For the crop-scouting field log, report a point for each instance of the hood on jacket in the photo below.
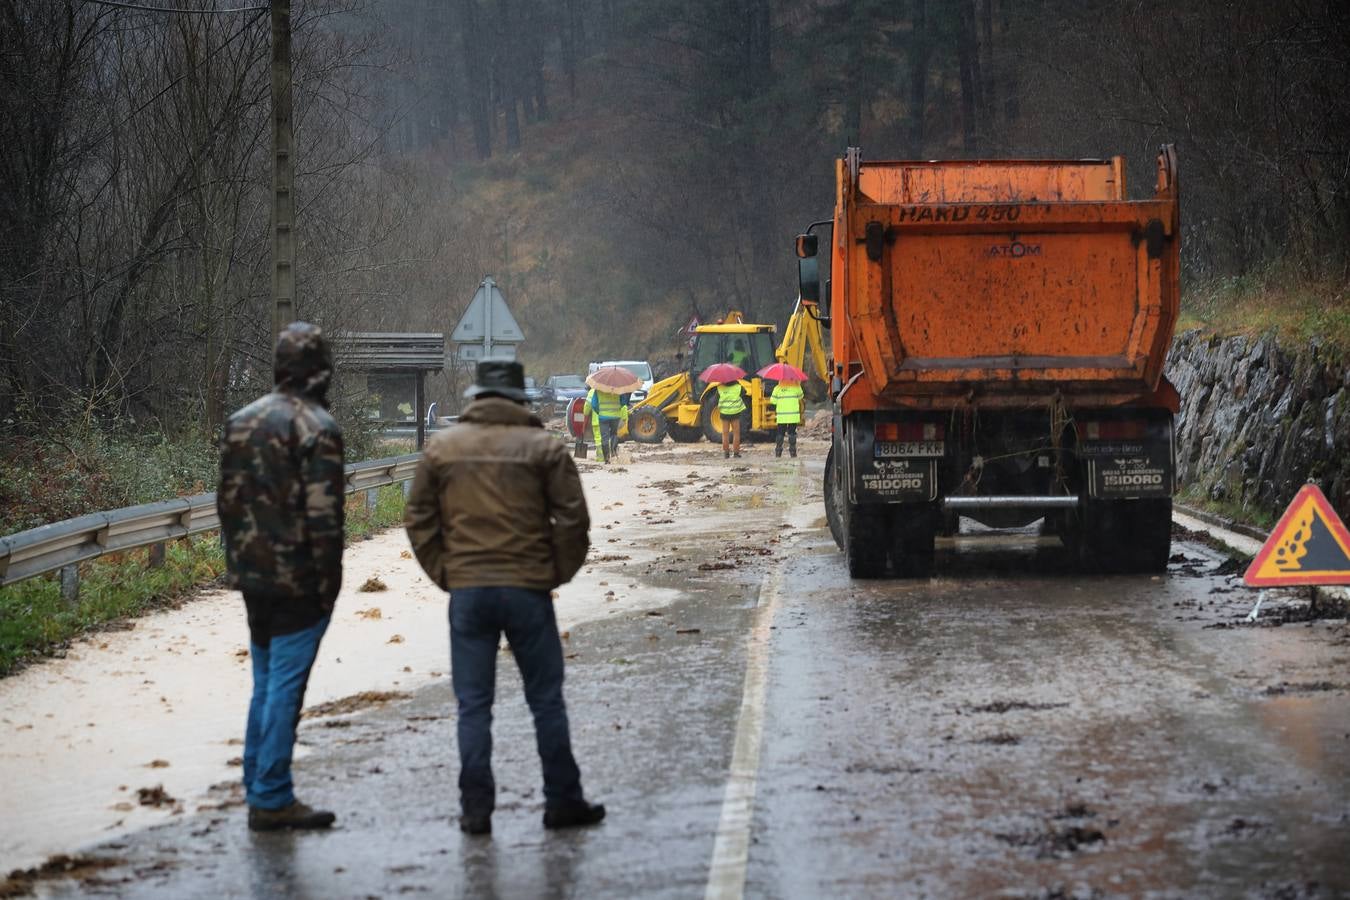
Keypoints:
(303, 363)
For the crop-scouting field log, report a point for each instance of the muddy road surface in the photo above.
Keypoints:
(759, 725)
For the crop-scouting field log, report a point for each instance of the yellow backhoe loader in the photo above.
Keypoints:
(685, 407)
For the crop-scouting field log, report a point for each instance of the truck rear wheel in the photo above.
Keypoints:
(912, 528)
(1124, 536)
(684, 434)
(834, 501)
(647, 425)
(869, 535)
(865, 540)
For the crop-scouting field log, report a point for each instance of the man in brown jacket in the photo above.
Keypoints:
(497, 517)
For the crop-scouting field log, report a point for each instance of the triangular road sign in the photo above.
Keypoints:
(1310, 545)
(487, 310)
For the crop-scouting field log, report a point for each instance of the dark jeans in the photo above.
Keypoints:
(478, 617)
(280, 675)
(607, 438)
(791, 430)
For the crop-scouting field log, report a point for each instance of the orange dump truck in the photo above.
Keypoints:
(998, 331)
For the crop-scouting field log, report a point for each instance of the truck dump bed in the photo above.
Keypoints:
(988, 281)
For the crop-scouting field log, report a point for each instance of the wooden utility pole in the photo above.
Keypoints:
(283, 172)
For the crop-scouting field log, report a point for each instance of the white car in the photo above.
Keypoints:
(639, 367)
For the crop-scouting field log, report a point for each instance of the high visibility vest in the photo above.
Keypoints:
(729, 402)
(787, 403)
(606, 405)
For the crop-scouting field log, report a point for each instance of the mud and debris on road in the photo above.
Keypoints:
(79, 868)
(351, 704)
(1008, 727)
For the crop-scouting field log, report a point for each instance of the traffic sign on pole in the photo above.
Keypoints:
(487, 327)
(1310, 545)
(688, 330)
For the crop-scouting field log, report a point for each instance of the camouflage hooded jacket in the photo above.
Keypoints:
(281, 492)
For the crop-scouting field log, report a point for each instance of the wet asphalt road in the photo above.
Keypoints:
(1008, 729)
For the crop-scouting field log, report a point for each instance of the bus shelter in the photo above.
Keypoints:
(391, 355)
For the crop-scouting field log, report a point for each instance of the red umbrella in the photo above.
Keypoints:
(781, 371)
(722, 373)
(614, 380)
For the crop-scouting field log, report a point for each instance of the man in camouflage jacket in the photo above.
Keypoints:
(280, 500)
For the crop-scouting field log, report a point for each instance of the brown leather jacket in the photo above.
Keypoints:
(497, 502)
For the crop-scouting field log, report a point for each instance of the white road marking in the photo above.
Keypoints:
(731, 850)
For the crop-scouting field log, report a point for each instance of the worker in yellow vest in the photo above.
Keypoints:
(730, 405)
(607, 412)
(787, 400)
(739, 356)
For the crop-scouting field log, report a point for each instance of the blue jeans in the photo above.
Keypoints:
(478, 617)
(280, 674)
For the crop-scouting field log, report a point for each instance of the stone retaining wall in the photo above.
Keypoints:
(1258, 420)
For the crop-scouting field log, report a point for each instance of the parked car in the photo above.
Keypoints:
(564, 388)
(639, 367)
(540, 398)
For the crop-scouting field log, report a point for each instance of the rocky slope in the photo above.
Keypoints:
(1259, 419)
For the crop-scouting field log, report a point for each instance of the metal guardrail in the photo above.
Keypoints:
(52, 547)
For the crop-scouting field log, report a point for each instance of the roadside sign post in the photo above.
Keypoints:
(1308, 546)
(487, 327)
(689, 332)
(576, 425)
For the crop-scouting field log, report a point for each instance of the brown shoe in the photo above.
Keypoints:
(297, 815)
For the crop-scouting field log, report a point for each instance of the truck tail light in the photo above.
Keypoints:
(1115, 431)
(909, 431)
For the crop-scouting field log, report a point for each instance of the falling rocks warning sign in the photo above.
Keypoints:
(1310, 545)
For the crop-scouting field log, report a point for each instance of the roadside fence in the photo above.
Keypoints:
(62, 546)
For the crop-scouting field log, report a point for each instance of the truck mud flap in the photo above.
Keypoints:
(876, 480)
(1131, 468)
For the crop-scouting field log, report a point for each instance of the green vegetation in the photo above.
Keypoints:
(1296, 309)
(385, 447)
(362, 521)
(83, 468)
(36, 622)
(1194, 495)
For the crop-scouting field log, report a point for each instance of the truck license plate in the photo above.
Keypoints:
(907, 448)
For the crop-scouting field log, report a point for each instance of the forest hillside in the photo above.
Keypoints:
(616, 165)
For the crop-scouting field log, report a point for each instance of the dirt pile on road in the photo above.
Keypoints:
(818, 427)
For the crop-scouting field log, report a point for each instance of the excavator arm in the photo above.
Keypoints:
(804, 337)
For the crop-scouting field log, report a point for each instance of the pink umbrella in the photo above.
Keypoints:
(722, 373)
(781, 371)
